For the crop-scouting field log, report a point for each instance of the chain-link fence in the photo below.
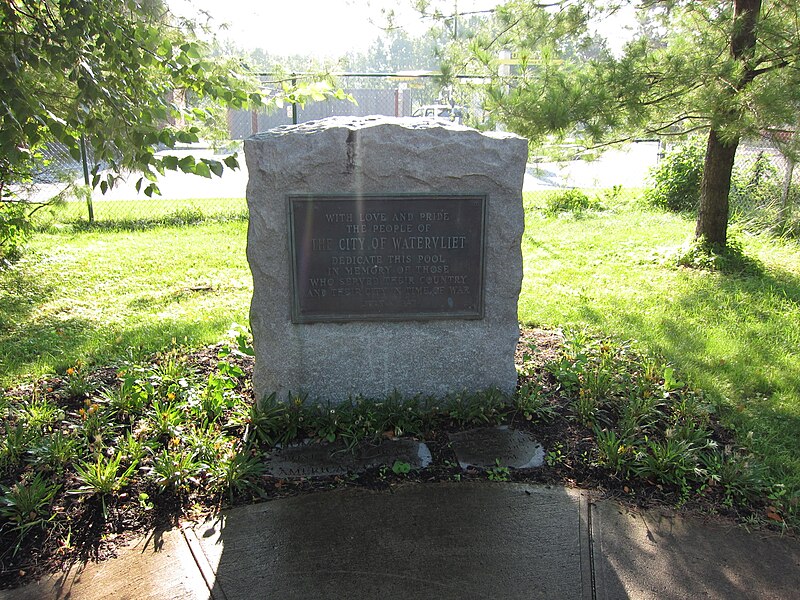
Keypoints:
(765, 190)
(766, 187)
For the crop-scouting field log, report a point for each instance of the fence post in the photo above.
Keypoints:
(85, 162)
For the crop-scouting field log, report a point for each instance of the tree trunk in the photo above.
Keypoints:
(712, 218)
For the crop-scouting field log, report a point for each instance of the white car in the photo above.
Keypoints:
(444, 112)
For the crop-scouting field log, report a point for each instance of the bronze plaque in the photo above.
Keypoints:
(358, 258)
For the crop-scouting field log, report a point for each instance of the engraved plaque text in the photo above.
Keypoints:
(387, 257)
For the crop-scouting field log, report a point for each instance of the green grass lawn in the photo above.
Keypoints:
(99, 296)
(102, 295)
(735, 336)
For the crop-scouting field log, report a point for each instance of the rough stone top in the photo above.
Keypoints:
(359, 123)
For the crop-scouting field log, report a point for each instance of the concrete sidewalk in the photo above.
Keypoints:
(467, 540)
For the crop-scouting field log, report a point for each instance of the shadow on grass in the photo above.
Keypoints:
(182, 218)
(736, 337)
(21, 293)
(53, 344)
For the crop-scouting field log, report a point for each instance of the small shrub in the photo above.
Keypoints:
(574, 201)
(676, 179)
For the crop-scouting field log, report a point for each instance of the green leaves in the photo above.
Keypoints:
(119, 76)
(202, 169)
(214, 166)
(129, 79)
(187, 164)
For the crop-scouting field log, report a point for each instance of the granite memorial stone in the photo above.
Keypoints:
(386, 257)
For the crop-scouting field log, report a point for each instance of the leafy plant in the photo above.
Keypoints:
(102, 476)
(132, 448)
(325, 422)
(95, 421)
(130, 398)
(732, 259)
(15, 226)
(207, 443)
(15, 443)
(486, 408)
(670, 461)
(215, 398)
(401, 416)
(498, 472)
(171, 369)
(401, 468)
(275, 422)
(676, 179)
(555, 456)
(741, 476)
(174, 469)
(38, 413)
(78, 383)
(671, 382)
(238, 471)
(55, 451)
(574, 201)
(166, 418)
(615, 453)
(640, 415)
(586, 408)
(532, 404)
(144, 501)
(26, 504)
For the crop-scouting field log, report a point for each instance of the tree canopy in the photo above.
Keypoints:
(730, 68)
(125, 75)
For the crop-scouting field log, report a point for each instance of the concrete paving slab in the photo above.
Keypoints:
(468, 540)
(656, 555)
(157, 567)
